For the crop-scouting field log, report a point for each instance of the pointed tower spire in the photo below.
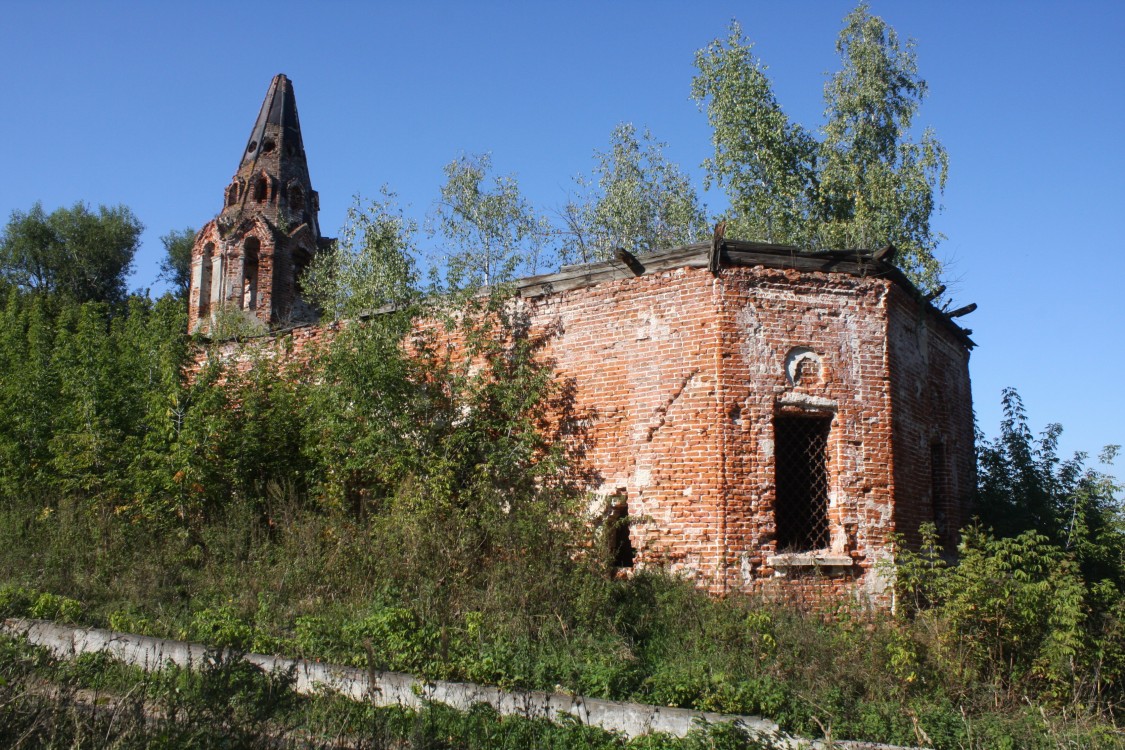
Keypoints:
(273, 176)
(251, 256)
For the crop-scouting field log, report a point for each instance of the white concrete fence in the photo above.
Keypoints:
(398, 689)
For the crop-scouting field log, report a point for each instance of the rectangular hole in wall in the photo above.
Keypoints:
(801, 466)
(621, 550)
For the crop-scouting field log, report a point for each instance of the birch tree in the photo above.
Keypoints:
(861, 182)
(637, 200)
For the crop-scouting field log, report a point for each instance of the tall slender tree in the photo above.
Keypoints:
(371, 265)
(864, 182)
(175, 267)
(492, 233)
(637, 200)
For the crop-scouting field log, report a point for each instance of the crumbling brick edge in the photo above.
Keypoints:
(398, 689)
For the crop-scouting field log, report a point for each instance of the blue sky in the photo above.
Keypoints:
(149, 105)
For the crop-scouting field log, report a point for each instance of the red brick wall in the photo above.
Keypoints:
(933, 421)
(683, 373)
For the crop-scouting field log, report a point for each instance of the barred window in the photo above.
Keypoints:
(801, 466)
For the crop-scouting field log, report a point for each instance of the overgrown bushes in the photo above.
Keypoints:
(418, 511)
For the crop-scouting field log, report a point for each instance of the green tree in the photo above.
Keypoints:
(863, 183)
(1025, 485)
(492, 232)
(637, 200)
(876, 184)
(175, 267)
(1011, 612)
(370, 267)
(72, 252)
(766, 164)
(29, 397)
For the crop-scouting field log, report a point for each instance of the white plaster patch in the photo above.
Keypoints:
(642, 477)
(880, 577)
(597, 505)
(806, 400)
(689, 491)
(746, 568)
(767, 447)
(652, 326)
(758, 356)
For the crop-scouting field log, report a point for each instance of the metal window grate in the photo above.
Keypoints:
(801, 464)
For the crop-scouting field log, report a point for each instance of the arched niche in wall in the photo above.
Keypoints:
(203, 299)
(250, 251)
(803, 367)
(301, 260)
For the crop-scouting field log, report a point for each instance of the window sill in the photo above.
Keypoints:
(809, 560)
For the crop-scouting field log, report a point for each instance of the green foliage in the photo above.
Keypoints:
(491, 232)
(175, 267)
(1011, 612)
(86, 393)
(371, 266)
(1024, 485)
(765, 163)
(48, 606)
(73, 252)
(638, 200)
(863, 183)
(876, 185)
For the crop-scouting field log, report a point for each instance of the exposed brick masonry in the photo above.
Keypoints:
(686, 372)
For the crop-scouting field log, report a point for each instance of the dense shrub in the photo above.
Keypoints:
(415, 508)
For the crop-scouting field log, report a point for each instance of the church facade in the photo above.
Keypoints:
(766, 419)
(247, 261)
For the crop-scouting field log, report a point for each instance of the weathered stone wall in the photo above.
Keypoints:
(686, 372)
(682, 373)
(236, 285)
(934, 463)
(808, 343)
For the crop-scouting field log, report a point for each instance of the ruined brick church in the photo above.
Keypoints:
(767, 419)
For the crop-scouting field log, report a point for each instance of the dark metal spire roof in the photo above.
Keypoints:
(279, 110)
(272, 180)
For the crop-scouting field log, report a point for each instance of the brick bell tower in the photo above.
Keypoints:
(247, 262)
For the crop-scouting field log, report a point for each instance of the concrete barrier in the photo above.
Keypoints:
(398, 689)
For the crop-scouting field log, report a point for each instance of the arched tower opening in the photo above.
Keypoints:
(250, 251)
(203, 294)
